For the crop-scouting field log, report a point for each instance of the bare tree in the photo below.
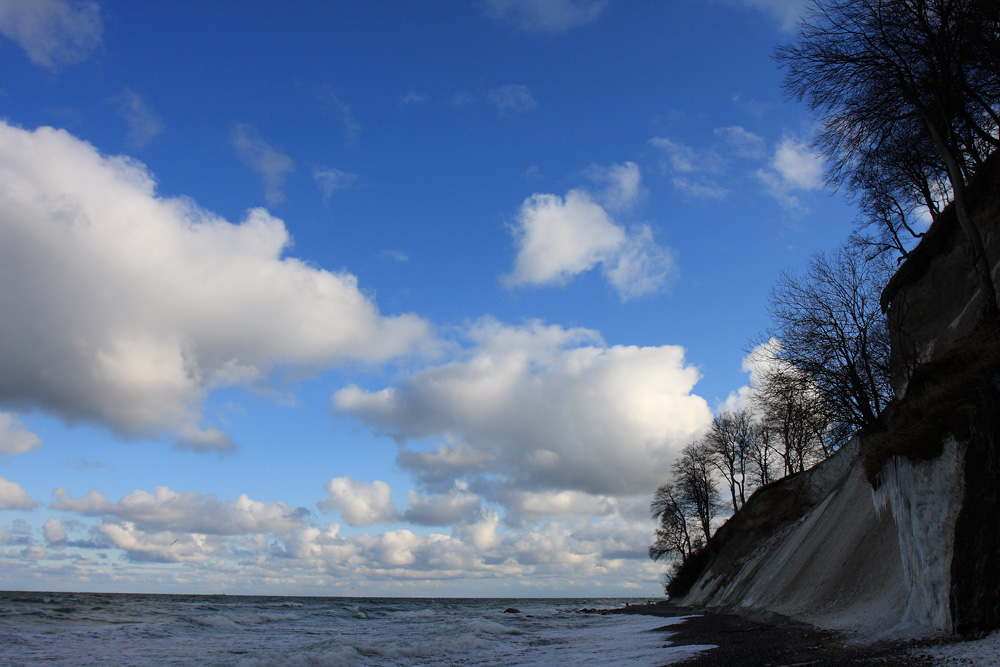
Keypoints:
(686, 505)
(834, 334)
(731, 441)
(693, 473)
(888, 75)
(671, 508)
(761, 457)
(792, 409)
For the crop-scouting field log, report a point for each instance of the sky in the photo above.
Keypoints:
(383, 298)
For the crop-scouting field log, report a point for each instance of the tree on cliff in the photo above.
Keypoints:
(686, 505)
(693, 474)
(730, 441)
(794, 414)
(671, 509)
(833, 332)
(899, 79)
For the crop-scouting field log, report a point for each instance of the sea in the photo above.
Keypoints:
(263, 631)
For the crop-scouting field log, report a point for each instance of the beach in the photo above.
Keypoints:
(759, 641)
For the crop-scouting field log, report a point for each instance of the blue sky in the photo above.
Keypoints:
(384, 298)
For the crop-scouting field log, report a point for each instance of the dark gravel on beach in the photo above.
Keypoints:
(774, 641)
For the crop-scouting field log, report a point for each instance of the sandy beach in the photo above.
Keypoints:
(775, 640)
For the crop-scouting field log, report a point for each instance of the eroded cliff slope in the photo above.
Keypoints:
(901, 526)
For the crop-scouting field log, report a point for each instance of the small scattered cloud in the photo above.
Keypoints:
(360, 503)
(681, 158)
(546, 16)
(693, 172)
(395, 255)
(743, 143)
(462, 99)
(704, 173)
(512, 99)
(84, 464)
(54, 531)
(53, 32)
(144, 124)
(331, 180)
(786, 12)
(622, 184)
(341, 110)
(641, 266)
(272, 165)
(14, 438)
(794, 168)
(700, 189)
(14, 497)
(559, 238)
(413, 98)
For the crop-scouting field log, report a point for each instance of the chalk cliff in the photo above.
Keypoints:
(900, 527)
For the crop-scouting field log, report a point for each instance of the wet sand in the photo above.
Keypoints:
(773, 641)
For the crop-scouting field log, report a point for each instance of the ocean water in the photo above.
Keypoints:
(250, 631)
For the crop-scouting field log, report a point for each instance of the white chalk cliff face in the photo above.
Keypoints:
(899, 530)
(925, 498)
(811, 547)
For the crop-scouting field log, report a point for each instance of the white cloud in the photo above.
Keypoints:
(512, 99)
(129, 308)
(706, 189)
(550, 410)
(443, 509)
(54, 531)
(438, 469)
(272, 165)
(558, 239)
(622, 184)
(14, 497)
(413, 98)
(360, 503)
(52, 32)
(144, 124)
(798, 165)
(786, 12)
(157, 547)
(14, 438)
(482, 533)
(641, 266)
(552, 16)
(536, 505)
(332, 103)
(693, 171)
(166, 510)
(758, 363)
(793, 168)
(745, 144)
(331, 180)
(681, 158)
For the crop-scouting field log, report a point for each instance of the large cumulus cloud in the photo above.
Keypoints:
(545, 409)
(125, 308)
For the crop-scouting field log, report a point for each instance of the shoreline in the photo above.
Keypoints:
(769, 640)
